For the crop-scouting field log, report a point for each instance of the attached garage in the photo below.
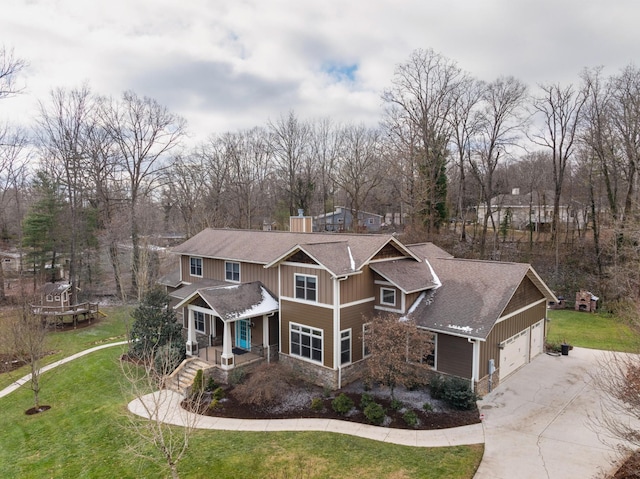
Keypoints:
(537, 339)
(514, 353)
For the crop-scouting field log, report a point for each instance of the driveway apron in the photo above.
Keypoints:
(537, 423)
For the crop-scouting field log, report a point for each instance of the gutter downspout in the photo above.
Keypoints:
(475, 361)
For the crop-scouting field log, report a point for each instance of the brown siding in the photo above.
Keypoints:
(504, 330)
(354, 317)
(357, 287)
(388, 251)
(256, 331)
(314, 316)
(411, 298)
(324, 284)
(526, 293)
(455, 355)
(249, 272)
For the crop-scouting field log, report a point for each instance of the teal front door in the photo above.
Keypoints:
(243, 335)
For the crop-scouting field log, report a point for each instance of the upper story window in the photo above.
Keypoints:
(306, 287)
(195, 266)
(388, 296)
(232, 271)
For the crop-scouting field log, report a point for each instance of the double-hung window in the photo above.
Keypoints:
(232, 271)
(199, 320)
(306, 287)
(195, 266)
(306, 342)
(388, 296)
(366, 332)
(345, 346)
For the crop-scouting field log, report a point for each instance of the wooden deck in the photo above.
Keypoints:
(71, 314)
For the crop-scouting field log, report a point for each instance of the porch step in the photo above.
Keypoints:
(182, 378)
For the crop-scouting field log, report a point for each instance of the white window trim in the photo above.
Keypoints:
(365, 327)
(295, 288)
(201, 267)
(239, 272)
(385, 303)
(350, 337)
(299, 356)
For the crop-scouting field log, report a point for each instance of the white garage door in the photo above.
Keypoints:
(537, 338)
(515, 353)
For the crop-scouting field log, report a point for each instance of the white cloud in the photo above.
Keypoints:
(229, 65)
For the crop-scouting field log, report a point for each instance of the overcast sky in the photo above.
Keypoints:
(228, 65)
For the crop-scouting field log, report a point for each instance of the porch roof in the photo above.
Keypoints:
(234, 302)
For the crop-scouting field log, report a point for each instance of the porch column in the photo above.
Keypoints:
(192, 343)
(265, 336)
(227, 345)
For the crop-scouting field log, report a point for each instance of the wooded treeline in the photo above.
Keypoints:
(99, 175)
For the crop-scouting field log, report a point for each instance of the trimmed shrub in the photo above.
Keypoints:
(396, 405)
(365, 400)
(218, 394)
(267, 384)
(197, 387)
(214, 404)
(456, 392)
(317, 404)
(374, 413)
(211, 385)
(427, 407)
(410, 418)
(342, 404)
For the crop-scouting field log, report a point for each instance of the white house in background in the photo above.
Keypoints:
(534, 208)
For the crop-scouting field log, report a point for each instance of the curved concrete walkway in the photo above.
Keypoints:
(165, 406)
(12, 387)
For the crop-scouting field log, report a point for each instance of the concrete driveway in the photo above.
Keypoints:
(537, 422)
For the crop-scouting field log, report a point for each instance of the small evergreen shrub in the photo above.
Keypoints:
(436, 386)
(456, 392)
(214, 404)
(410, 418)
(396, 405)
(342, 404)
(218, 394)
(365, 400)
(374, 413)
(197, 387)
(211, 385)
(316, 404)
(427, 407)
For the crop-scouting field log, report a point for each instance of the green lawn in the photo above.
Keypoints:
(107, 329)
(84, 435)
(591, 330)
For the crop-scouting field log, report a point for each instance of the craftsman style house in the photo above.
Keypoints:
(308, 298)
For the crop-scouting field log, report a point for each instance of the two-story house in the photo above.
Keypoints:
(309, 298)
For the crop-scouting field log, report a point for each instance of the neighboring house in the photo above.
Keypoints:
(342, 220)
(309, 298)
(533, 209)
(56, 304)
(11, 261)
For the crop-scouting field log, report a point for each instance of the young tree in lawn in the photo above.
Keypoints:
(161, 408)
(397, 349)
(155, 326)
(28, 335)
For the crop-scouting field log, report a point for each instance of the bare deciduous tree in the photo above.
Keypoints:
(167, 427)
(10, 67)
(397, 349)
(28, 337)
(144, 133)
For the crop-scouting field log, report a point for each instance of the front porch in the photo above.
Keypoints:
(235, 322)
(213, 355)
